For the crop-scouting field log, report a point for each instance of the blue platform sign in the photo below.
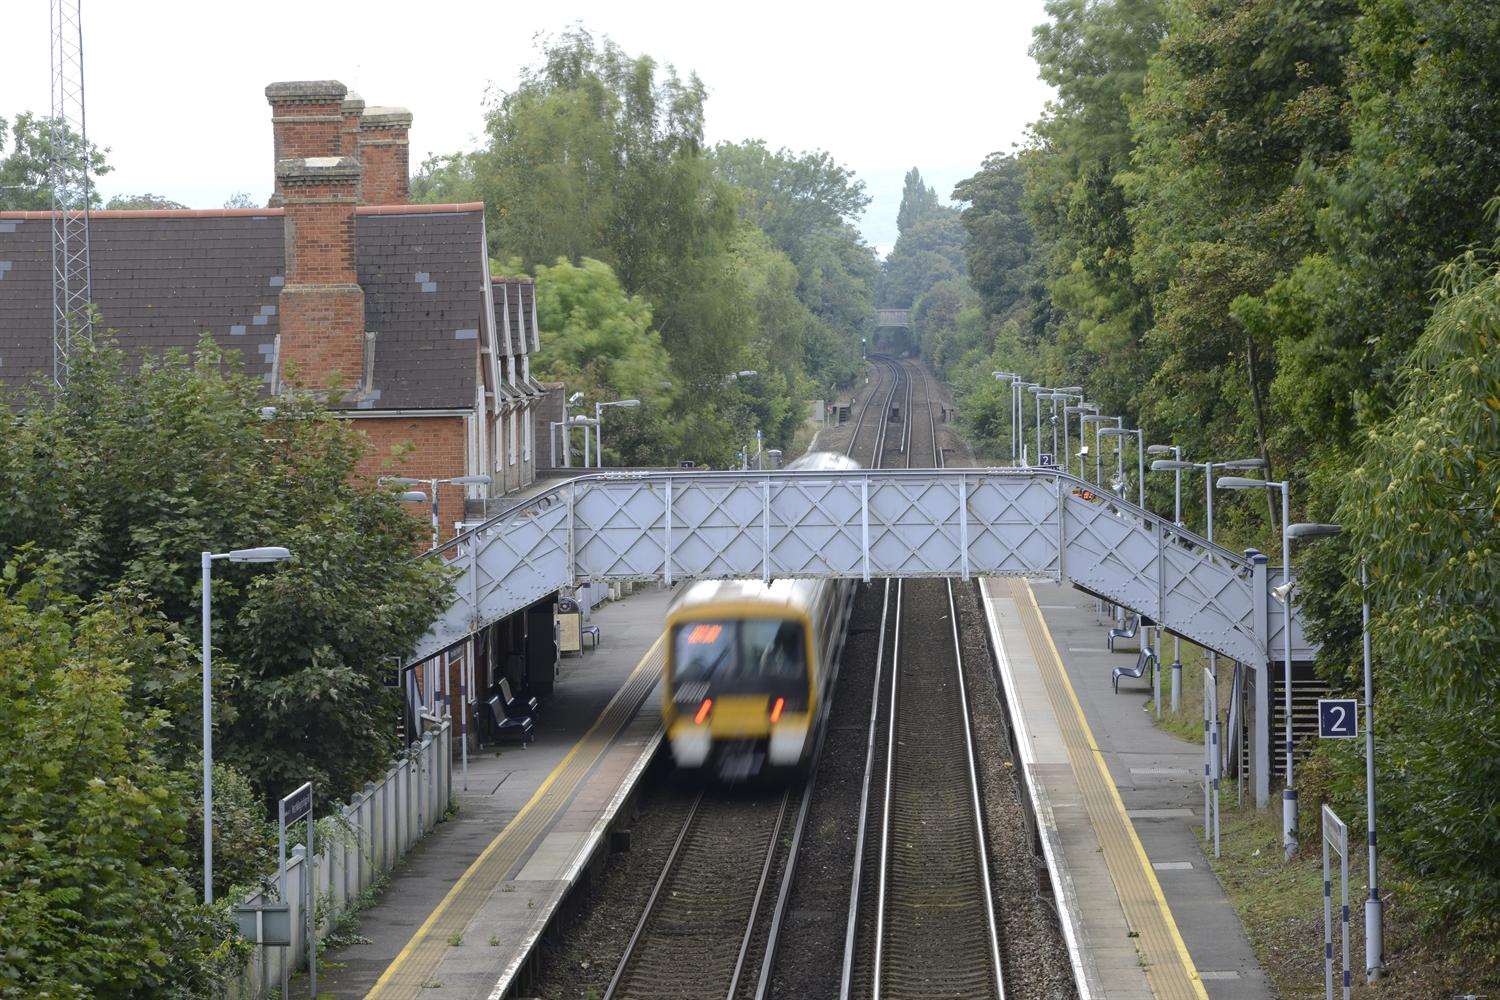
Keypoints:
(1045, 460)
(1338, 718)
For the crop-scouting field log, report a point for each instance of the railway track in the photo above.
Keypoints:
(921, 918)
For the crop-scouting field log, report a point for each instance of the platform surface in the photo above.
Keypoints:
(1120, 804)
(464, 906)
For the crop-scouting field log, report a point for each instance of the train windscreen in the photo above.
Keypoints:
(739, 656)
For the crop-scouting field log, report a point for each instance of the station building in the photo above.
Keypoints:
(339, 286)
(339, 281)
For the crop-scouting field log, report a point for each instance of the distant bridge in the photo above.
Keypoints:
(892, 318)
(862, 524)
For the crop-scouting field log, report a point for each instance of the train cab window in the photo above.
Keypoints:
(701, 650)
(735, 654)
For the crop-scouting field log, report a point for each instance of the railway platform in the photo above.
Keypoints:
(1117, 802)
(460, 917)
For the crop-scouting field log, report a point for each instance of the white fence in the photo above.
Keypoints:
(380, 824)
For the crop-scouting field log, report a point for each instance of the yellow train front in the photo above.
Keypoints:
(749, 667)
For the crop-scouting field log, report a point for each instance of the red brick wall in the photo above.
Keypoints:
(434, 447)
(322, 307)
(306, 119)
(385, 154)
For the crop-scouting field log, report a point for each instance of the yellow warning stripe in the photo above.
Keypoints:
(405, 977)
(1169, 968)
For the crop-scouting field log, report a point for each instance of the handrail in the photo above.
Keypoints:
(853, 475)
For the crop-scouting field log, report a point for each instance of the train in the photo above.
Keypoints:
(749, 666)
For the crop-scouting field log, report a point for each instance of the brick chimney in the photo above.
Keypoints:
(306, 118)
(351, 110)
(385, 155)
(322, 307)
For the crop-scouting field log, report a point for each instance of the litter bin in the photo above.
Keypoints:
(569, 617)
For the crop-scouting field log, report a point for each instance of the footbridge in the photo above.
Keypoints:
(862, 524)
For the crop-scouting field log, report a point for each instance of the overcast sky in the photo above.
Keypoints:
(176, 87)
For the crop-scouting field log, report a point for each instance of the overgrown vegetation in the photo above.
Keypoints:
(726, 259)
(1259, 229)
(111, 488)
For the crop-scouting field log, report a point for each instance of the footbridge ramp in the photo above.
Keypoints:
(862, 524)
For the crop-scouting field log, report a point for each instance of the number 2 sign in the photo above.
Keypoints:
(1338, 718)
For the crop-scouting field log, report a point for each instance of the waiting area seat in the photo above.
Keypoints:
(516, 707)
(1144, 661)
(590, 632)
(503, 726)
(1131, 630)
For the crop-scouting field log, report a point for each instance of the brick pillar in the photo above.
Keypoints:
(350, 111)
(384, 151)
(306, 119)
(322, 307)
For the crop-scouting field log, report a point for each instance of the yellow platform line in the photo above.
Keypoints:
(404, 978)
(1169, 968)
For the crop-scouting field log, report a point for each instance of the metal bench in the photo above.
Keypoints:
(504, 727)
(1144, 661)
(1131, 630)
(590, 631)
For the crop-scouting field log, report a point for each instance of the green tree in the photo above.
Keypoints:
(140, 202)
(999, 237)
(128, 473)
(1422, 508)
(919, 202)
(94, 896)
(27, 162)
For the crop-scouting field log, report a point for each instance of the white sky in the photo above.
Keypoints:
(176, 87)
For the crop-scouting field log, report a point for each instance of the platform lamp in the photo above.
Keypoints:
(1063, 395)
(599, 409)
(1283, 593)
(1176, 452)
(416, 496)
(264, 554)
(1082, 409)
(1374, 931)
(1037, 392)
(1099, 420)
(1140, 457)
(1010, 377)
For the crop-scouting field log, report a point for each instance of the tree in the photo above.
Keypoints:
(240, 199)
(137, 202)
(25, 167)
(999, 237)
(95, 899)
(1422, 509)
(130, 471)
(919, 202)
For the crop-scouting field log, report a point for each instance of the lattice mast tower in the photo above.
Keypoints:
(72, 190)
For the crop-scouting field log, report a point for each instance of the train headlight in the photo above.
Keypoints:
(702, 715)
(776, 709)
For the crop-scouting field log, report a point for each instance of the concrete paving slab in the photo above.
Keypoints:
(1159, 781)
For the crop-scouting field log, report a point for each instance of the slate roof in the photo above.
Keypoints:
(161, 279)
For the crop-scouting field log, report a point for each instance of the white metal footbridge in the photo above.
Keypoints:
(862, 524)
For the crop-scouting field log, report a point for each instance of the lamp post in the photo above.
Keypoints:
(1178, 466)
(415, 496)
(1176, 453)
(599, 409)
(1036, 393)
(1062, 396)
(1374, 931)
(567, 426)
(1140, 458)
(1284, 593)
(265, 554)
(1011, 377)
(1082, 409)
(1098, 420)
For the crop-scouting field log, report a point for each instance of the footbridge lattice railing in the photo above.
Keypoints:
(862, 524)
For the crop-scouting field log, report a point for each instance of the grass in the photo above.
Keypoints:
(1281, 907)
(1281, 904)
